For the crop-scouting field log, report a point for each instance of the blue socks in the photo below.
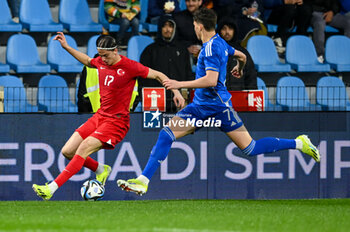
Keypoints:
(268, 145)
(166, 138)
(159, 152)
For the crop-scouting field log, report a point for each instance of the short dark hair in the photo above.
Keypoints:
(207, 17)
(106, 42)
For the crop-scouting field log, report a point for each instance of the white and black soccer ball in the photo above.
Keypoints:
(92, 190)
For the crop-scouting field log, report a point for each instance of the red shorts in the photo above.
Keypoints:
(109, 130)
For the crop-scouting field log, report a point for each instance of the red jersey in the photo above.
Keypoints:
(117, 83)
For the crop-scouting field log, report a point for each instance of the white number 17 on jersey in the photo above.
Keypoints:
(109, 79)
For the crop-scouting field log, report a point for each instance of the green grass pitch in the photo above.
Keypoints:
(176, 215)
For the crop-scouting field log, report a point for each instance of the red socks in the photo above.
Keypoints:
(74, 167)
(91, 164)
(71, 169)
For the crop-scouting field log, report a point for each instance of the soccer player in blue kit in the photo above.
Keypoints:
(211, 100)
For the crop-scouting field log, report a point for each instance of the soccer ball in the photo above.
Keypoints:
(92, 190)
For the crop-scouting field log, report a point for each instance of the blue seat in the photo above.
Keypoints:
(328, 29)
(272, 28)
(6, 23)
(136, 45)
(263, 51)
(22, 55)
(337, 53)
(301, 55)
(91, 47)
(183, 5)
(268, 105)
(331, 94)
(4, 68)
(292, 96)
(331, 29)
(75, 16)
(53, 95)
(36, 16)
(15, 98)
(60, 59)
(143, 16)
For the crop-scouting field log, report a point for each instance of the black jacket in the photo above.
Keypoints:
(249, 78)
(326, 5)
(185, 29)
(168, 57)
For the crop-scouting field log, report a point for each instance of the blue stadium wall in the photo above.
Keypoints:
(201, 166)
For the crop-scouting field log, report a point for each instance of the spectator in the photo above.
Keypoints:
(158, 8)
(185, 29)
(227, 29)
(248, 20)
(327, 12)
(233, 8)
(245, 13)
(226, 8)
(14, 7)
(287, 14)
(167, 56)
(125, 13)
(88, 101)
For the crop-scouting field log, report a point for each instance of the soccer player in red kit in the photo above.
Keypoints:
(109, 125)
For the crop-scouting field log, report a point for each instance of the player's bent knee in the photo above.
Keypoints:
(67, 153)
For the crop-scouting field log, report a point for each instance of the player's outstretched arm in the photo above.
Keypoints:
(209, 80)
(237, 71)
(161, 77)
(81, 57)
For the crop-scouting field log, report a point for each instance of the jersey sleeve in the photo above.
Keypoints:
(95, 62)
(140, 70)
(231, 50)
(212, 57)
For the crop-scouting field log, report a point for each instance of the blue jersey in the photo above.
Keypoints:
(213, 56)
